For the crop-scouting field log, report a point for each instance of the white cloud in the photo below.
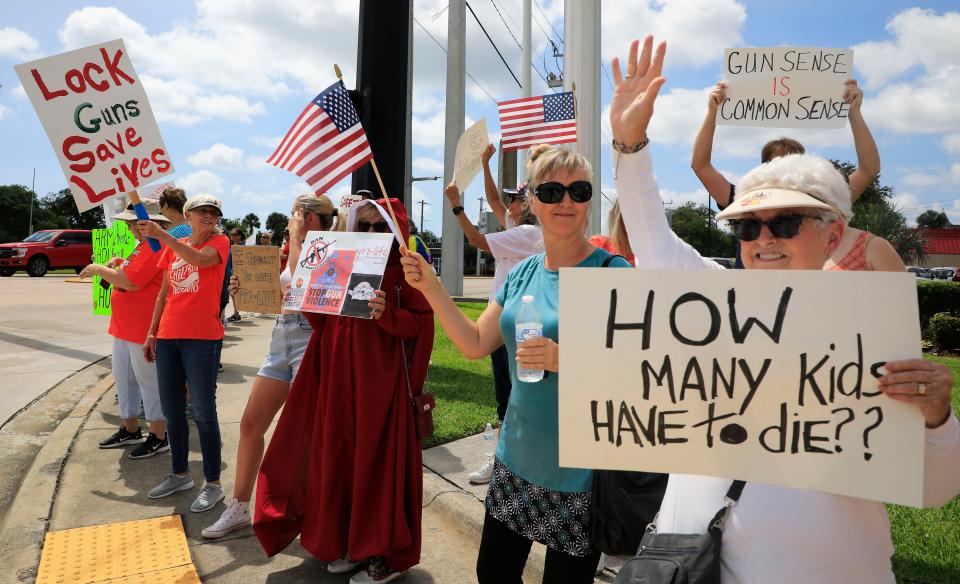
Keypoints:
(938, 179)
(951, 143)
(218, 155)
(17, 45)
(270, 142)
(908, 204)
(919, 180)
(428, 165)
(429, 131)
(201, 181)
(4, 110)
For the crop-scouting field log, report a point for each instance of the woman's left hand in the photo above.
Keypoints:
(539, 353)
(922, 383)
(90, 271)
(631, 107)
(378, 304)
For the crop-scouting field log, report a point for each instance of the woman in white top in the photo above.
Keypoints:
(272, 384)
(776, 534)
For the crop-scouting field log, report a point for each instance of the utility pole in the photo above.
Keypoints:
(527, 56)
(479, 215)
(33, 194)
(581, 65)
(422, 203)
(451, 267)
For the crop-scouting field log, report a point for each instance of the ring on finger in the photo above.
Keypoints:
(921, 388)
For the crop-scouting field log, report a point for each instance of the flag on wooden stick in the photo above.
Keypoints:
(544, 119)
(326, 142)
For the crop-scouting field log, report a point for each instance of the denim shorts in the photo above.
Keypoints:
(287, 345)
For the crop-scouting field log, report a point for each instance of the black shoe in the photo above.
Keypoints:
(151, 446)
(121, 438)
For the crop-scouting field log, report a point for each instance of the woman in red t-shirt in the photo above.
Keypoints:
(185, 339)
(618, 242)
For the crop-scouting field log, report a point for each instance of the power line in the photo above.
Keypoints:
(444, 49)
(503, 20)
(494, 45)
(550, 24)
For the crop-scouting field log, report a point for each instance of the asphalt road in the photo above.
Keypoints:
(47, 332)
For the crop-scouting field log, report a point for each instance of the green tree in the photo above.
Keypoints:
(227, 224)
(696, 225)
(933, 219)
(62, 205)
(15, 215)
(250, 222)
(276, 224)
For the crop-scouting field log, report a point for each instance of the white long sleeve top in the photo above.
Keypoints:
(774, 534)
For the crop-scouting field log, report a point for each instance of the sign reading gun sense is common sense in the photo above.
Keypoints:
(765, 376)
(785, 87)
(98, 119)
(338, 272)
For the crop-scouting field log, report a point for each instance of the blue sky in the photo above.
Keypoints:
(226, 78)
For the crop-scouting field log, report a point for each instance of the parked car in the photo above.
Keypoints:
(956, 274)
(45, 250)
(920, 273)
(725, 262)
(943, 273)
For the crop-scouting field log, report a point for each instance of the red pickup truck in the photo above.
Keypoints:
(49, 249)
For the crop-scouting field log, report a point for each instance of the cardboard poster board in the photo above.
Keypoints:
(347, 201)
(258, 269)
(338, 272)
(116, 241)
(98, 119)
(765, 376)
(785, 87)
(469, 156)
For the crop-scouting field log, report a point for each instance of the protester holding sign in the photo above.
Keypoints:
(136, 284)
(859, 250)
(343, 469)
(788, 214)
(288, 341)
(521, 239)
(185, 339)
(528, 482)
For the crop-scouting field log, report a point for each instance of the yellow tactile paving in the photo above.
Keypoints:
(178, 575)
(116, 552)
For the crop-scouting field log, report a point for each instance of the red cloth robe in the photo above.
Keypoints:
(344, 467)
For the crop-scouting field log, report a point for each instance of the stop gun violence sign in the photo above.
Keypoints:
(98, 119)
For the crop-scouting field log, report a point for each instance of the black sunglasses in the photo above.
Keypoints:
(785, 226)
(378, 226)
(551, 193)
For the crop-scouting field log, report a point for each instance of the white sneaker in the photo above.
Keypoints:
(235, 516)
(482, 475)
(601, 564)
(342, 565)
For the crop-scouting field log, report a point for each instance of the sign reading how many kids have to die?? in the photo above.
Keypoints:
(98, 119)
(763, 376)
(785, 87)
(338, 272)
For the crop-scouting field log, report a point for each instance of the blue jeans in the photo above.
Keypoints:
(193, 362)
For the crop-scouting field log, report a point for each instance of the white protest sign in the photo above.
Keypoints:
(785, 87)
(347, 201)
(338, 272)
(469, 157)
(764, 376)
(98, 119)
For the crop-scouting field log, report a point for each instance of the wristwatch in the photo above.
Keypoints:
(457, 210)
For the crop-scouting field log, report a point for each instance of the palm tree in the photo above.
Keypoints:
(250, 222)
(882, 218)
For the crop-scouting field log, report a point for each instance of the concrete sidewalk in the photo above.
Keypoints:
(72, 483)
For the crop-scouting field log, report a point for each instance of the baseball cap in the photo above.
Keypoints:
(203, 201)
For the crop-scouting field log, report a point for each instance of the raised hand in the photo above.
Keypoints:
(488, 153)
(634, 93)
(452, 193)
(853, 95)
(717, 95)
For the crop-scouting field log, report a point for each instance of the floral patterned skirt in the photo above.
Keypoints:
(556, 519)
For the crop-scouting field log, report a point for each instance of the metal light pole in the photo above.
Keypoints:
(33, 194)
(451, 273)
(479, 214)
(422, 203)
(527, 55)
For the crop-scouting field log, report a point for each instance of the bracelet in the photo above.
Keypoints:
(623, 149)
(457, 210)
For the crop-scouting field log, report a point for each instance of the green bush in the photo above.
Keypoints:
(945, 331)
(934, 297)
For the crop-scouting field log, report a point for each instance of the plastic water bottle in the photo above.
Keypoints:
(489, 436)
(529, 326)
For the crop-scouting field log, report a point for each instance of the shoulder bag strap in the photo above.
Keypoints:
(403, 354)
(730, 500)
(609, 258)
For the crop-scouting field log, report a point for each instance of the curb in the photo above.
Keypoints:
(27, 522)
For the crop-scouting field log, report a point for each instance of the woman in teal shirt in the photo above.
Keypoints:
(531, 498)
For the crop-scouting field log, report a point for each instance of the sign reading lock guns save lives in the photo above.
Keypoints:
(765, 376)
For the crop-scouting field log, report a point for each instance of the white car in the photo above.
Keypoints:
(920, 273)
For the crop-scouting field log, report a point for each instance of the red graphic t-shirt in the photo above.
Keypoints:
(132, 310)
(192, 310)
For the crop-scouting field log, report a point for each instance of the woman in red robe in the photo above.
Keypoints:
(344, 469)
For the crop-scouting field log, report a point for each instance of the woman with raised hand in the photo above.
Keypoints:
(531, 497)
(185, 339)
(788, 214)
(288, 342)
(344, 468)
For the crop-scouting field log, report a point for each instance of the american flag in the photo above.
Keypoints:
(326, 143)
(544, 119)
